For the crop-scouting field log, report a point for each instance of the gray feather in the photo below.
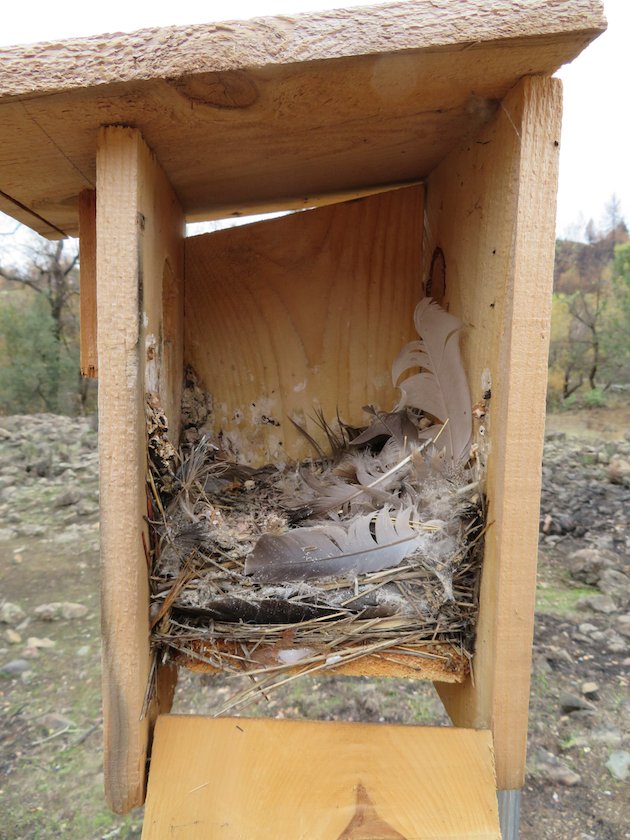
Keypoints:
(369, 543)
(395, 424)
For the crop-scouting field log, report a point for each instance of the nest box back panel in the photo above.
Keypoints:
(303, 313)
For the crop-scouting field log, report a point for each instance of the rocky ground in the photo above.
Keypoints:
(579, 759)
(578, 783)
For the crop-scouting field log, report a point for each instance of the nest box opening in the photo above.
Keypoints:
(325, 508)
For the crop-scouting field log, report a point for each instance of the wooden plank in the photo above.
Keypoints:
(302, 313)
(87, 235)
(31, 218)
(391, 87)
(436, 662)
(231, 45)
(241, 778)
(491, 210)
(300, 202)
(140, 228)
(124, 593)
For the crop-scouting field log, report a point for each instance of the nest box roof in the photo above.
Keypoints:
(273, 112)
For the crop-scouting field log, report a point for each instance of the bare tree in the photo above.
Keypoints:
(50, 271)
(586, 310)
(584, 290)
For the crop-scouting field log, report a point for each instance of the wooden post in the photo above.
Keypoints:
(491, 208)
(140, 230)
(87, 235)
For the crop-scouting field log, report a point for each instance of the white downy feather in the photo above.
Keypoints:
(440, 388)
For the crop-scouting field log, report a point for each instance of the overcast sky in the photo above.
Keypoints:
(596, 129)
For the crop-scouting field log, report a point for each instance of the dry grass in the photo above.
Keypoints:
(206, 516)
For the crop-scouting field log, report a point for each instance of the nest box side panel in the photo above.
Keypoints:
(302, 313)
(140, 227)
(491, 211)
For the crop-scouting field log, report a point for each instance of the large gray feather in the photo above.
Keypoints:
(375, 541)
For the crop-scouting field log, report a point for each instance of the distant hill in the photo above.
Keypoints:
(579, 265)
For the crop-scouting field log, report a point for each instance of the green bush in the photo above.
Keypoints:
(38, 371)
(595, 398)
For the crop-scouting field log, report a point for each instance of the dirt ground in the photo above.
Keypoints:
(50, 722)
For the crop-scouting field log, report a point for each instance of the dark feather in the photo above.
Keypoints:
(395, 424)
(265, 611)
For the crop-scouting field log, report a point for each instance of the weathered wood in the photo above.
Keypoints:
(286, 110)
(178, 52)
(242, 778)
(140, 228)
(302, 313)
(87, 235)
(491, 208)
(447, 665)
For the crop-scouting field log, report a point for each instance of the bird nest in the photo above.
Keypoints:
(370, 552)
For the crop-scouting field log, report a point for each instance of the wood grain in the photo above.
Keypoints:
(447, 665)
(227, 47)
(491, 209)
(277, 112)
(302, 313)
(140, 226)
(87, 235)
(366, 824)
(241, 778)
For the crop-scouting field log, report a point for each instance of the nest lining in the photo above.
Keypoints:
(207, 517)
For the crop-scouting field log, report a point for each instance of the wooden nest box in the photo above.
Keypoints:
(421, 141)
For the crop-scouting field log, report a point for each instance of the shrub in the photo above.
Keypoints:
(38, 372)
(595, 398)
